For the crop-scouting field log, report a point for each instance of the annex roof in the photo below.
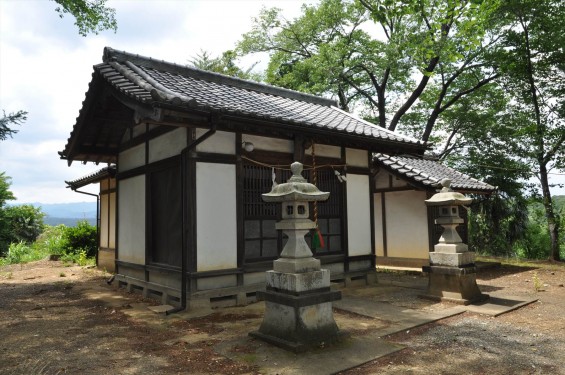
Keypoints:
(428, 173)
(102, 174)
(142, 82)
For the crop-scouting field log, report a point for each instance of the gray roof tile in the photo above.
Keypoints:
(145, 79)
(430, 173)
(101, 174)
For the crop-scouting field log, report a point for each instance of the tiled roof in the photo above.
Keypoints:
(429, 173)
(97, 176)
(151, 81)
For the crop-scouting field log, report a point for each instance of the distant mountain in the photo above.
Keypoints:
(82, 210)
(67, 213)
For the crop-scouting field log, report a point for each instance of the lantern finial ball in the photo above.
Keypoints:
(296, 169)
(446, 183)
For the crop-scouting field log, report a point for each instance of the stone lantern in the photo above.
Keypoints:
(452, 271)
(298, 299)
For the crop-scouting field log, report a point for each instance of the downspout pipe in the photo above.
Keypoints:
(184, 255)
(97, 217)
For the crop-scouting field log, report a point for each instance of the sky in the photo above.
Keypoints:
(45, 68)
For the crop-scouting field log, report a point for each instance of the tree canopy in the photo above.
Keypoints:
(224, 64)
(7, 122)
(380, 55)
(91, 16)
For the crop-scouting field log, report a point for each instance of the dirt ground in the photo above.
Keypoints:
(56, 319)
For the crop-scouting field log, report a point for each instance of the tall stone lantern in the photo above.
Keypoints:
(452, 271)
(298, 299)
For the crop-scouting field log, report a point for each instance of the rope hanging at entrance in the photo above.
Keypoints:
(285, 167)
(317, 238)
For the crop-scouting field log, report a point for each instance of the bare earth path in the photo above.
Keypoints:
(67, 320)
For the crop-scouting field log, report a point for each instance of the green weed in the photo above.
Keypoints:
(538, 284)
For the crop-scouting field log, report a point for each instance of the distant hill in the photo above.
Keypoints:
(68, 213)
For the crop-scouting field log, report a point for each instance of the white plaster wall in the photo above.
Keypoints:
(269, 144)
(398, 182)
(325, 151)
(112, 239)
(216, 220)
(167, 145)
(218, 143)
(382, 179)
(131, 158)
(139, 129)
(379, 238)
(131, 236)
(407, 224)
(104, 207)
(358, 215)
(356, 158)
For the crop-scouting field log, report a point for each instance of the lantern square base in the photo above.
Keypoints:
(452, 259)
(296, 283)
(452, 248)
(298, 322)
(296, 265)
(453, 284)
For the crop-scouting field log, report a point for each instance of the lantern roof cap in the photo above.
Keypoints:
(448, 197)
(295, 189)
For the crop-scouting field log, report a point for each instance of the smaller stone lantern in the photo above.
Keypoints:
(452, 271)
(298, 298)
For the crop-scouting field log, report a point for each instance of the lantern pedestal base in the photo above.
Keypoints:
(298, 310)
(453, 284)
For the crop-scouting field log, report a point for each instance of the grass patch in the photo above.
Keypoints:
(249, 358)
(526, 263)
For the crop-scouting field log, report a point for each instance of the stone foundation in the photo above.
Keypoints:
(453, 284)
(298, 322)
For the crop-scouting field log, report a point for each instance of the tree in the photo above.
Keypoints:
(224, 64)
(533, 64)
(91, 16)
(25, 222)
(7, 121)
(328, 50)
(5, 195)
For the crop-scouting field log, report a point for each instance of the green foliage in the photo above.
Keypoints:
(25, 222)
(5, 195)
(91, 16)
(496, 225)
(53, 240)
(225, 64)
(11, 119)
(82, 237)
(23, 253)
(71, 243)
(534, 77)
(17, 252)
(507, 227)
(379, 54)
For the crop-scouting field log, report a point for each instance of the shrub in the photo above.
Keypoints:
(53, 239)
(25, 222)
(16, 252)
(82, 237)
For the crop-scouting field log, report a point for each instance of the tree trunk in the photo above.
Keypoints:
(552, 220)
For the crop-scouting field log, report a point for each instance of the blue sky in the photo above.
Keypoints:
(45, 68)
